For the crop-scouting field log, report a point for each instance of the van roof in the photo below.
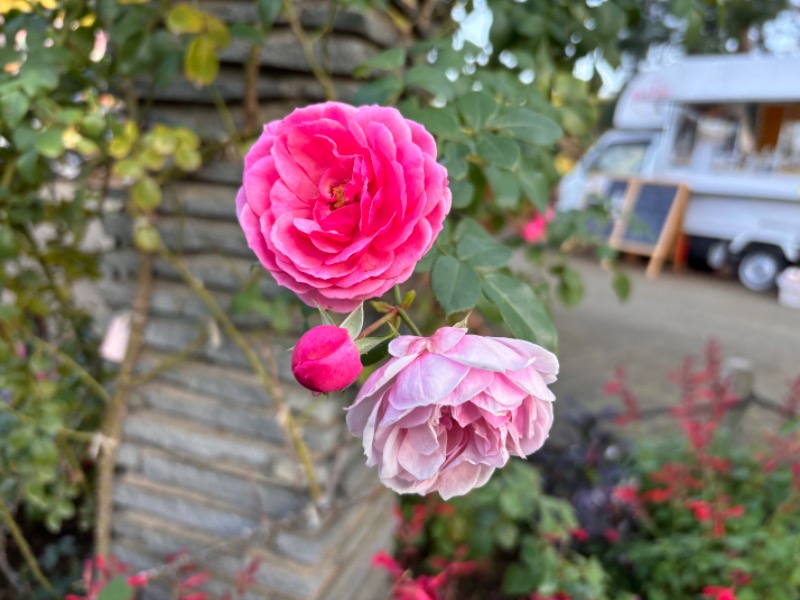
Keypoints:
(707, 79)
(737, 78)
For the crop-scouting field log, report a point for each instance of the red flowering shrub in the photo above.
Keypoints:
(715, 516)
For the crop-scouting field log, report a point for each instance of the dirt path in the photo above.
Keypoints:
(663, 321)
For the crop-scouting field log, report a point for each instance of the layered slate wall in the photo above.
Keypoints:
(203, 458)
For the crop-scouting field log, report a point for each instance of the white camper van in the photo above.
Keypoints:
(729, 128)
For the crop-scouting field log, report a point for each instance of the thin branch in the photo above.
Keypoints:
(407, 320)
(61, 296)
(73, 434)
(25, 549)
(251, 70)
(284, 414)
(77, 369)
(227, 118)
(308, 50)
(5, 568)
(172, 361)
(115, 412)
(377, 324)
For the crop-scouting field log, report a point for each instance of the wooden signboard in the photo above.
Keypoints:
(652, 213)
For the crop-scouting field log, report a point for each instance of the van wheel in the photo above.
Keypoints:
(759, 268)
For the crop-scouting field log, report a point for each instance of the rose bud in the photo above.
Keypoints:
(325, 359)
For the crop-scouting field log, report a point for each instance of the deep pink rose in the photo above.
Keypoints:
(325, 359)
(534, 230)
(339, 203)
(449, 409)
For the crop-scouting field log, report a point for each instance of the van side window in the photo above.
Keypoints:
(620, 159)
(738, 138)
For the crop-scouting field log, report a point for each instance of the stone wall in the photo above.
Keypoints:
(203, 458)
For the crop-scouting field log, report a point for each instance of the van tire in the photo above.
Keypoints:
(759, 267)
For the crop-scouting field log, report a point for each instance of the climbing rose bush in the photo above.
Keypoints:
(339, 203)
(444, 412)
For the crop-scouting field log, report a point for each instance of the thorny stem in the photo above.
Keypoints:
(25, 549)
(112, 420)
(308, 50)
(284, 413)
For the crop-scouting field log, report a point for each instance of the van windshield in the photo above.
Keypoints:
(621, 158)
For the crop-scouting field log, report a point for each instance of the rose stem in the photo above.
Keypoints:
(383, 320)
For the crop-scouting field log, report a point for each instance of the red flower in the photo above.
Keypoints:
(97, 572)
(628, 494)
(701, 509)
(612, 535)
(741, 578)
(580, 534)
(796, 476)
(719, 593)
(617, 386)
(385, 560)
(717, 512)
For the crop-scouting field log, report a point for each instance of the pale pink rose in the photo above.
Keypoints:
(445, 411)
(339, 203)
(535, 229)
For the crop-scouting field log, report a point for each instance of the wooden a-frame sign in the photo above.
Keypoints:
(650, 221)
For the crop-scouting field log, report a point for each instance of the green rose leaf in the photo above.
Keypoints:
(455, 159)
(14, 106)
(505, 187)
(185, 19)
(528, 126)
(430, 79)
(391, 59)
(438, 121)
(521, 309)
(49, 142)
(218, 31)
(463, 193)
(534, 188)
(380, 91)
(354, 322)
(268, 11)
(201, 63)
(368, 344)
(498, 150)
(455, 284)
(476, 108)
(187, 159)
(146, 194)
(480, 251)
